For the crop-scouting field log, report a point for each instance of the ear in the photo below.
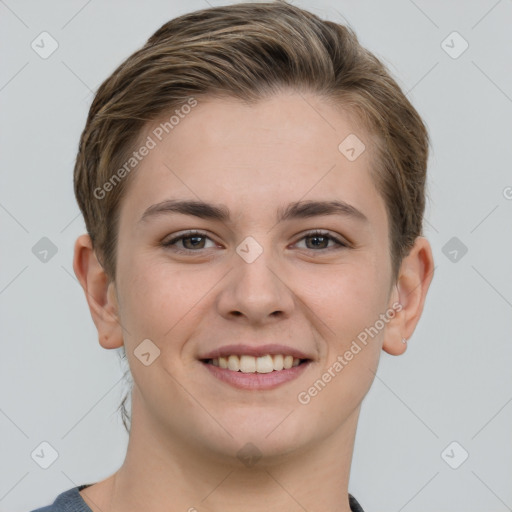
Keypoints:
(414, 278)
(100, 294)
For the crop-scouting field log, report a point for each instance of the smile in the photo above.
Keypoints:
(250, 364)
(256, 373)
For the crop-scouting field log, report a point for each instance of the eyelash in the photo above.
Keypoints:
(311, 234)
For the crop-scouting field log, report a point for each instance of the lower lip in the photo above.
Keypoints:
(256, 381)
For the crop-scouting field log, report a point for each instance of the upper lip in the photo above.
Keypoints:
(255, 351)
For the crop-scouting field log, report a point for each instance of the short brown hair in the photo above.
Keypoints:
(250, 51)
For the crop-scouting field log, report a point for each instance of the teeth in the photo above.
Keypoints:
(288, 362)
(250, 364)
(264, 364)
(278, 362)
(233, 363)
(247, 364)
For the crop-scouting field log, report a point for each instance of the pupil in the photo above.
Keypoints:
(194, 240)
(317, 237)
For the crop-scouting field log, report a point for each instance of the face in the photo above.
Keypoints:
(267, 278)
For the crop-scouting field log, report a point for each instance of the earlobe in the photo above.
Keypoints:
(99, 293)
(415, 276)
(393, 338)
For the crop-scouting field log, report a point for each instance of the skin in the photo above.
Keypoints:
(187, 426)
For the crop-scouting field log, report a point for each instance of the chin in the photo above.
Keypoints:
(267, 435)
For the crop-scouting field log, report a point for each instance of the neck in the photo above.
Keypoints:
(162, 474)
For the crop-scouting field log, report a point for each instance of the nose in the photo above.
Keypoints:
(256, 292)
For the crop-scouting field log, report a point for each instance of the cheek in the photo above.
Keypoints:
(161, 299)
(347, 298)
(349, 304)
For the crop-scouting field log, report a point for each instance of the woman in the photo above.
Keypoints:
(252, 182)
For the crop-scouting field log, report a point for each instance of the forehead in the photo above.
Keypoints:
(285, 148)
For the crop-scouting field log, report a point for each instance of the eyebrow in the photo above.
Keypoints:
(219, 212)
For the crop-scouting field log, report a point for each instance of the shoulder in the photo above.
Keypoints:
(68, 501)
(354, 504)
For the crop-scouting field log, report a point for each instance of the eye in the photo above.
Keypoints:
(190, 241)
(321, 239)
(194, 241)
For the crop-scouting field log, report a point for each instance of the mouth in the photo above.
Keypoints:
(250, 364)
(256, 373)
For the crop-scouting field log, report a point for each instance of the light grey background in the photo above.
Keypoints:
(454, 383)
